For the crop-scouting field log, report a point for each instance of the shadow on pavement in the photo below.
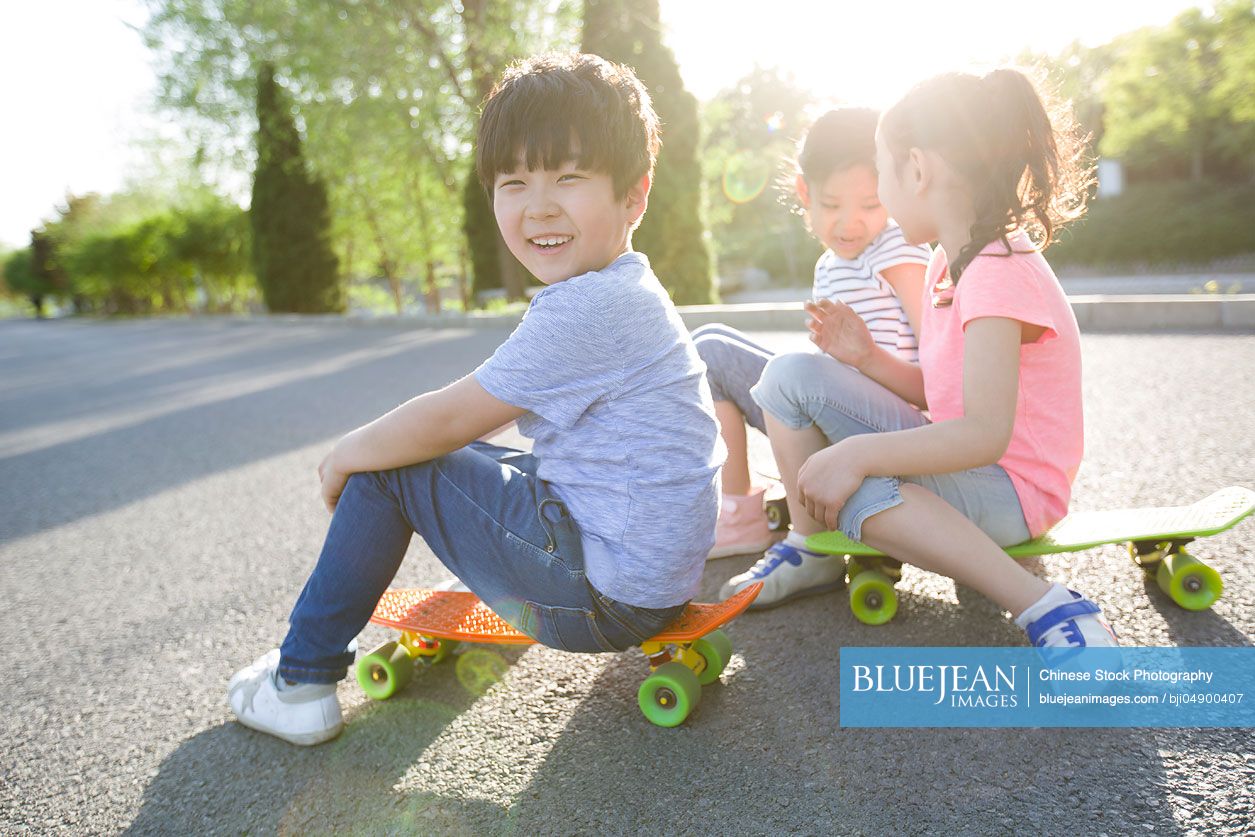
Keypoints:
(233, 780)
(764, 747)
(1193, 628)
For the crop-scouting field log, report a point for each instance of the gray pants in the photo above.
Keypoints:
(809, 389)
(734, 363)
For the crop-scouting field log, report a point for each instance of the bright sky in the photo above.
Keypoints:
(75, 80)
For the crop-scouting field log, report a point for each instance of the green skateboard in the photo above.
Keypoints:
(1156, 537)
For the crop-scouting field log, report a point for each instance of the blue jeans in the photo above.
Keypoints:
(494, 524)
(804, 389)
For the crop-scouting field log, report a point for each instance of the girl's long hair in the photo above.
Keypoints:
(1021, 154)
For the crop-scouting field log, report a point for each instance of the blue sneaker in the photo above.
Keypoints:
(788, 573)
(1064, 618)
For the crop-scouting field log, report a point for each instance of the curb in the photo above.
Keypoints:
(1234, 312)
(1230, 312)
(1124, 312)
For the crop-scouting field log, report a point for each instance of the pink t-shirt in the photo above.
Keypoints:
(1048, 437)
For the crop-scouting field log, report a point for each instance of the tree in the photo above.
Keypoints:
(672, 234)
(213, 242)
(403, 80)
(20, 277)
(1176, 96)
(1080, 74)
(292, 254)
(752, 130)
(1235, 86)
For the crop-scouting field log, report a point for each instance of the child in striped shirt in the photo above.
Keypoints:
(867, 265)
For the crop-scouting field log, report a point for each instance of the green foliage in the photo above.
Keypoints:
(1170, 101)
(130, 254)
(672, 234)
(1174, 223)
(292, 255)
(481, 235)
(214, 241)
(386, 95)
(20, 278)
(752, 132)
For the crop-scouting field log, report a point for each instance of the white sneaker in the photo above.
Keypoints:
(306, 713)
(788, 573)
(1063, 618)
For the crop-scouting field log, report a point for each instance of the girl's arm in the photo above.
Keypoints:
(907, 281)
(991, 375)
(841, 333)
(421, 429)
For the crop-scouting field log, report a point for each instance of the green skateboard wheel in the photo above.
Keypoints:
(716, 650)
(385, 671)
(669, 694)
(1191, 583)
(872, 598)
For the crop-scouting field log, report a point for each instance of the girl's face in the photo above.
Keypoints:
(844, 211)
(901, 199)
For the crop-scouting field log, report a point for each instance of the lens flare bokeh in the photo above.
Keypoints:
(745, 176)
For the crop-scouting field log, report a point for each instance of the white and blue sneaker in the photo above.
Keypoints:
(788, 572)
(1063, 618)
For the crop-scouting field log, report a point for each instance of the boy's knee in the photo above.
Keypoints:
(716, 353)
(705, 331)
(711, 342)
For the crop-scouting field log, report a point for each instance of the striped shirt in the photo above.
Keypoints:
(858, 283)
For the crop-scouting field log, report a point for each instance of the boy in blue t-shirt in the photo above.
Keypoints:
(568, 543)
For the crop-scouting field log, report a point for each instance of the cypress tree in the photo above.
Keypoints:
(290, 218)
(480, 225)
(672, 234)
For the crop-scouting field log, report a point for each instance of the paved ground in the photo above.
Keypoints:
(158, 512)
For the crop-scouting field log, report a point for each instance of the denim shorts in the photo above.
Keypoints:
(805, 389)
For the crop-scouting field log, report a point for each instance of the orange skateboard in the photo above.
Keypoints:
(689, 654)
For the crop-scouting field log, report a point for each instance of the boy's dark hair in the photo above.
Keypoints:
(556, 108)
(838, 140)
(1019, 152)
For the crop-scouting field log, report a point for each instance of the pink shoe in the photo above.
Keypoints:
(742, 526)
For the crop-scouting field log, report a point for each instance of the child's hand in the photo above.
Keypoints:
(839, 332)
(826, 480)
(333, 481)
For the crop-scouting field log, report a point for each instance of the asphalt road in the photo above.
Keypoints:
(159, 512)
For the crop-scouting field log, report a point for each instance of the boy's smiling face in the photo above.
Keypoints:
(844, 211)
(567, 221)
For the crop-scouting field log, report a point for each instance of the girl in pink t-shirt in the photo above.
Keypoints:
(976, 164)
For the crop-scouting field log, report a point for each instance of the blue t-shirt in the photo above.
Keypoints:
(622, 424)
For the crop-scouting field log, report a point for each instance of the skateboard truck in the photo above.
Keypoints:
(1156, 539)
(690, 653)
(1189, 582)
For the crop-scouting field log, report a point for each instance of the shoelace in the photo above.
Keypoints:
(774, 557)
(1063, 635)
